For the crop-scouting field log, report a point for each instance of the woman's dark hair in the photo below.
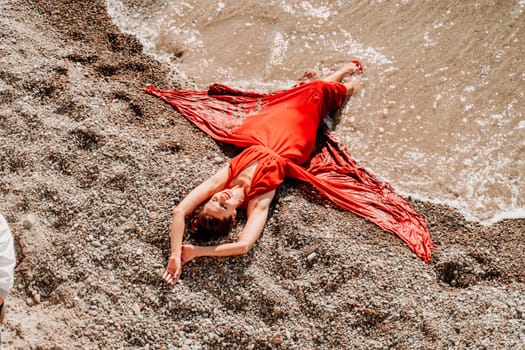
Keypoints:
(206, 227)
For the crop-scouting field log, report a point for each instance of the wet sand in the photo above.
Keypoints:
(90, 168)
(441, 110)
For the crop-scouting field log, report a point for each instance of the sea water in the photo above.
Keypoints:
(441, 111)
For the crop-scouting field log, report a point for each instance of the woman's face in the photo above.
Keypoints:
(222, 205)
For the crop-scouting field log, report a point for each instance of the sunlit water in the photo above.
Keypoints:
(441, 112)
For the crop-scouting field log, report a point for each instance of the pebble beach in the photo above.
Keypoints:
(91, 167)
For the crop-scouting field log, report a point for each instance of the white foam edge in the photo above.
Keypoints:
(510, 214)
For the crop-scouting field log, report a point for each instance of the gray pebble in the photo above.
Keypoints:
(311, 256)
(136, 309)
(29, 221)
(37, 298)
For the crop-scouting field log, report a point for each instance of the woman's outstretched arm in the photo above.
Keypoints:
(257, 214)
(197, 196)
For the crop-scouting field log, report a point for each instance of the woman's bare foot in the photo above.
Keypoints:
(349, 68)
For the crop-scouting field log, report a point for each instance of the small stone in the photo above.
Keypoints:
(37, 298)
(29, 302)
(277, 312)
(96, 244)
(29, 221)
(311, 256)
(136, 309)
(520, 313)
(277, 339)
(218, 160)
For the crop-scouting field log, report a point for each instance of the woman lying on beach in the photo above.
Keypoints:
(278, 132)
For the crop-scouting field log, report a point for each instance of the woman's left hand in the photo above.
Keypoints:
(188, 253)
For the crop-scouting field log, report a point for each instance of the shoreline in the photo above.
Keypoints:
(384, 125)
(90, 169)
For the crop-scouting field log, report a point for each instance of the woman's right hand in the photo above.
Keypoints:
(173, 270)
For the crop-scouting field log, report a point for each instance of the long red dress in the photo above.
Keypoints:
(279, 132)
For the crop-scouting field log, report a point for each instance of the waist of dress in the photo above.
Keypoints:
(266, 150)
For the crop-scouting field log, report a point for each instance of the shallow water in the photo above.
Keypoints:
(441, 111)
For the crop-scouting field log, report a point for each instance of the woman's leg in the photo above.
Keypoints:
(348, 69)
(353, 85)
